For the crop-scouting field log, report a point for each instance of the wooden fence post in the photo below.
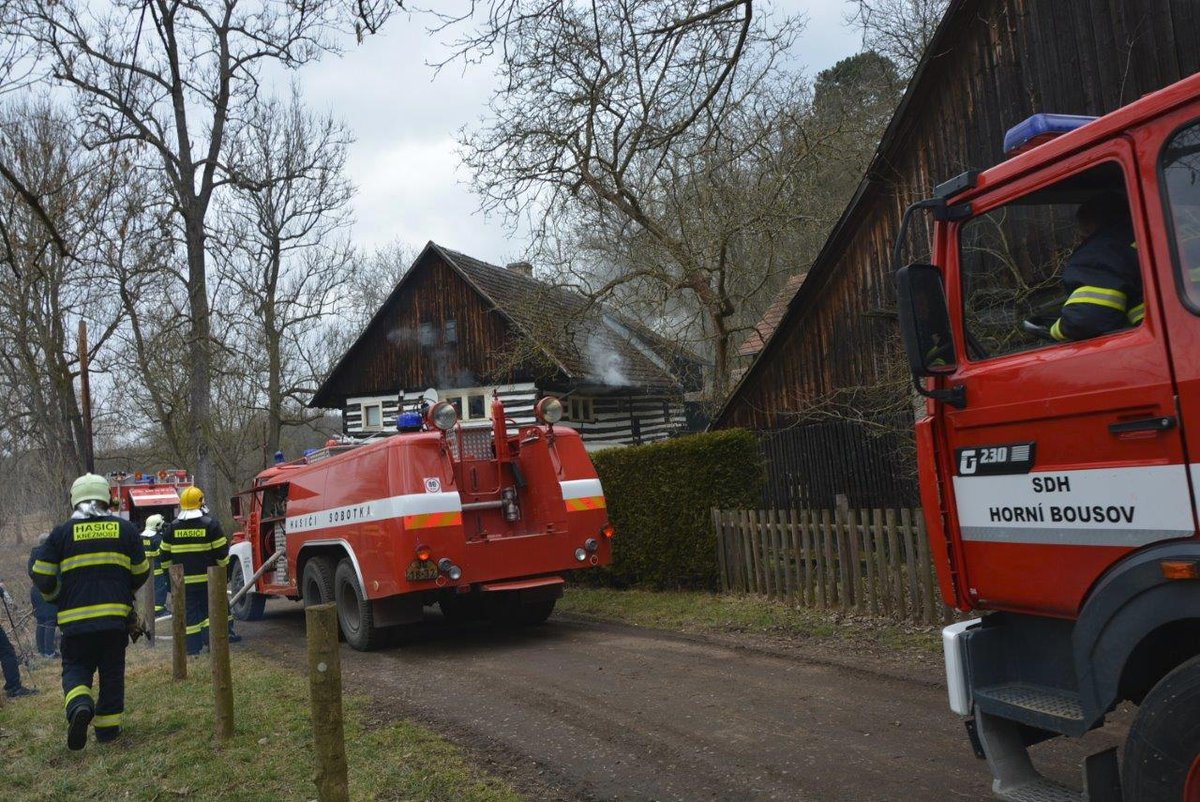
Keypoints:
(178, 624)
(325, 681)
(722, 565)
(926, 562)
(218, 640)
(868, 547)
(145, 602)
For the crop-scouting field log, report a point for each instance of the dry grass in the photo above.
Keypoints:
(167, 751)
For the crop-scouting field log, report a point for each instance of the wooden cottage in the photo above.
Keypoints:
(466, 328)
(990, 65)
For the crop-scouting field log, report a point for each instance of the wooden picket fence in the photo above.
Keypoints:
(868, 561)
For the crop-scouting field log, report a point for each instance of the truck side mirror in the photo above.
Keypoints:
(235, 506)
(925, 328)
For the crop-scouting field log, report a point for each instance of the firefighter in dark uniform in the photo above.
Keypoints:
(195, 541)
(89, 568)
(151, 538)
(1102, 275)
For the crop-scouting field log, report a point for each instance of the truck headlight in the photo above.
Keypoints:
(443, 415)
(549, 410)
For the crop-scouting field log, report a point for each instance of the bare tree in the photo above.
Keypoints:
(48, 292)
(288, 258)
(639, 118)
(171, 76)
(898, 29)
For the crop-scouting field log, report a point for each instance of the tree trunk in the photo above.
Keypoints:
(274, 382)
(200, 351)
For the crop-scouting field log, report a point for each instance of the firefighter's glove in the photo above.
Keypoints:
(134, 627)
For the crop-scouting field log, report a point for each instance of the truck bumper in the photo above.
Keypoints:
(958, 685)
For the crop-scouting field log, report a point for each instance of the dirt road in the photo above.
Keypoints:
(579, 710)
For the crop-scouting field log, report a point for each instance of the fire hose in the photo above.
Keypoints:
(262, 569)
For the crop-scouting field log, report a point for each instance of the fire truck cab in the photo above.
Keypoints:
(1059, 476)
(481, 521)
(141, 494)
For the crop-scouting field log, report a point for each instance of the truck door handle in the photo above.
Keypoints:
(1159, 424)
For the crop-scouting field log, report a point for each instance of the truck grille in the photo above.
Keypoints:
(473, 443)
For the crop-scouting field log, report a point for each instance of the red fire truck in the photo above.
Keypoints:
(143, 493)
(1059, 478)
(481, 521)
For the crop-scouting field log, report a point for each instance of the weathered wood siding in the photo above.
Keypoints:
(994, 63)
(393, 354)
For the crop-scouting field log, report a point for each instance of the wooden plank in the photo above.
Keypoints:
(806, 540)
(868, 548)
(818, 559)
(841, 551)
(830, 566)
(747, 554)
(910, 564)
(853, 537)
(879, 535)
(776, 552)
(722, 563)
(782, 584)
(795, 574)
(785, 554)
(926, 563)
(760, 581)
(894, 564)
(768, 563)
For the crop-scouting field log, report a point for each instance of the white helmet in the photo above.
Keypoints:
(153, 524)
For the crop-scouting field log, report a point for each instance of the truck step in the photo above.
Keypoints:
(1040, 790)
(1039, 706)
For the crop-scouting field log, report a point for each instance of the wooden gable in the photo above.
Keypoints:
(434, 330)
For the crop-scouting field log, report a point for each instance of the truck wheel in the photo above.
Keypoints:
(250, 607)
(355, 615)
(532, 615)
(1162, 753)
(316, 587)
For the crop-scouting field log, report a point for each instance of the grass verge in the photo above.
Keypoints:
(167, 750)
(697, 612)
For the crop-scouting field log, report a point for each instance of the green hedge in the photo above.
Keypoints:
(660, 499)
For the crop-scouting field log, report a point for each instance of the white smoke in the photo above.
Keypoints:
(606, 364)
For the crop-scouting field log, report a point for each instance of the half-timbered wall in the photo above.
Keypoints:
(994, 63)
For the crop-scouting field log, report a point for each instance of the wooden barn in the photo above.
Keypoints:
(467, 328)
(827, 389)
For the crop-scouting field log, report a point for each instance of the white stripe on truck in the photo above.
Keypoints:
(581, 488)
(381, 509)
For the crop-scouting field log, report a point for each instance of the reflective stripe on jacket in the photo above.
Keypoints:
(90, 567)
(194, 543)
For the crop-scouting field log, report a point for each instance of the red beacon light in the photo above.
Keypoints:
(1028, 134)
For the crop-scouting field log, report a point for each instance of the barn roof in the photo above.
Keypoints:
(592, 346)
(770, 319)
(869, 188)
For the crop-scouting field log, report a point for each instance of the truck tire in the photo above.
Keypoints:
(1162, 753)
(355, 615)
(316, 586)
(251, 606)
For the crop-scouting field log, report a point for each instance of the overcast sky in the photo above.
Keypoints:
(411, 187)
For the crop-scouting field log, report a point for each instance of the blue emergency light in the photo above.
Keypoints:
(409, 421)
(1040, 128)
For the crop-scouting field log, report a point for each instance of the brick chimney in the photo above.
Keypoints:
(524, 268)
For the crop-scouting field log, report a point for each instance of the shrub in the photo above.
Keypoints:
(660, 499)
